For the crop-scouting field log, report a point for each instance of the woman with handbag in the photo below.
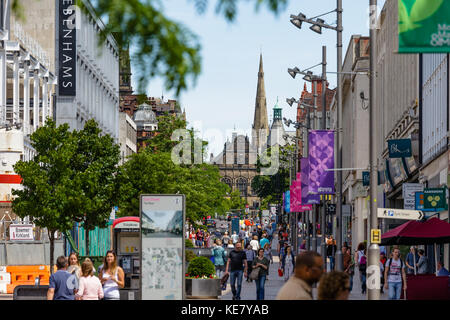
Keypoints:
(288, 263)
(259, 273)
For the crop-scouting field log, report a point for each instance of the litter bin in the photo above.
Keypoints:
(30, 292)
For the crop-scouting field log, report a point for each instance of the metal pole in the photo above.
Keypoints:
(324, 127)
(373, 270)
(315, 82)
(339, 260)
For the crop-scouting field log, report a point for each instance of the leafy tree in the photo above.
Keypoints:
(71, 178)
(271, 187)
(156, 173)
(163, 47)
(95, 171)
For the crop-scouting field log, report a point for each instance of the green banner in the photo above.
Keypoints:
(424, 26)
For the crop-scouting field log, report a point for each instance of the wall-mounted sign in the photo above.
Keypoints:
(409, 195)
(67, 48)
(385, 213)
(366, 178)
(435, 199)
(162, 243)
(21, 232)
(400, 148)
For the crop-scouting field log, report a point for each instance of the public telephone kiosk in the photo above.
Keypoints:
(127, 247)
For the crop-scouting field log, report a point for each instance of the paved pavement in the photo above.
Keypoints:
(274, 284)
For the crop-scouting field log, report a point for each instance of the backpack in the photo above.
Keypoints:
(363, 263)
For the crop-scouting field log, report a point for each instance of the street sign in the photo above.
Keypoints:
(399, 214)
(409, 195)
(375, 235)
(399, 148)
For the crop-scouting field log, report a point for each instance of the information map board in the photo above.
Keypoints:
(162, 247)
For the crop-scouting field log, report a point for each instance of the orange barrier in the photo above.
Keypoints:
(26, 275)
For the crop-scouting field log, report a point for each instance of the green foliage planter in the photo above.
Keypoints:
(201, 281)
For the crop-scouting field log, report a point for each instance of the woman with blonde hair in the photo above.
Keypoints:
(111, 276)
(90, 286)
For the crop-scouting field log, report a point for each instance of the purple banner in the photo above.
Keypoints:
(321, 158)
(307, 198)
(296, 196)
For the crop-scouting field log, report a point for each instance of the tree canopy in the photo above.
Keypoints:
(153, 171)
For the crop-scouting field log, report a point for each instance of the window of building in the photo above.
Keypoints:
(242, 186)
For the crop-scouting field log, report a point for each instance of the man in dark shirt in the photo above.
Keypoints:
(62, 283)
(237, 267)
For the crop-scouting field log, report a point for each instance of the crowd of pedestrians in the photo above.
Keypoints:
(73, 281)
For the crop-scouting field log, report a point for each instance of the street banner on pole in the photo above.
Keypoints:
(321, 159)
(287, 202)
(307, 198)
(162, 242)
(423, 26)
(296, 196)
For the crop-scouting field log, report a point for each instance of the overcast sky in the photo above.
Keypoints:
(225, 92)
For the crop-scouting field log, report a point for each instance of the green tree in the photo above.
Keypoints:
(71, 178)
(163, 47)
(95, 171)
(271, 187)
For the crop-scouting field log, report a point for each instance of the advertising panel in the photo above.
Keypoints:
(162, 243)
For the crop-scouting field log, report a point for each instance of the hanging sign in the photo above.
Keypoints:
(423, 26)
(399, 148)
(67, 48)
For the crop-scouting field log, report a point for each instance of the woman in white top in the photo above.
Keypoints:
(112, 277)
(255, 243)
(90, 286)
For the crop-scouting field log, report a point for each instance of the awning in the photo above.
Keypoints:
(416, 232)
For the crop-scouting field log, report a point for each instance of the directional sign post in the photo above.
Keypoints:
(385, 213)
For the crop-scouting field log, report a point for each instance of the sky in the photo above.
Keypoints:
(223, 97)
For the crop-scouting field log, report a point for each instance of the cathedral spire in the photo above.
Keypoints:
(260, 122)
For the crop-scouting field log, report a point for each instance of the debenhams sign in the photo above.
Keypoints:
(68, 13)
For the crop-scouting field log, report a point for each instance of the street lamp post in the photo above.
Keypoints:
(324, 127)
(373, 270)
(339, 257)
(317, 26)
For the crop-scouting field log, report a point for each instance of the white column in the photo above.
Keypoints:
(26, 97)
(36, 84)
(16, 90)
(50, 97)
(2, 86)
(44, 99)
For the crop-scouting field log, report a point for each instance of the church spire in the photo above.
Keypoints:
(260, 122)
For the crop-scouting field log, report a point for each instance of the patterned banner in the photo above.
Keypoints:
(321, 158)
(307, 198)
(296, 196)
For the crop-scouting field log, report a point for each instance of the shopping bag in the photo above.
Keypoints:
(280, 272)
(224, 279)
(254, 274)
